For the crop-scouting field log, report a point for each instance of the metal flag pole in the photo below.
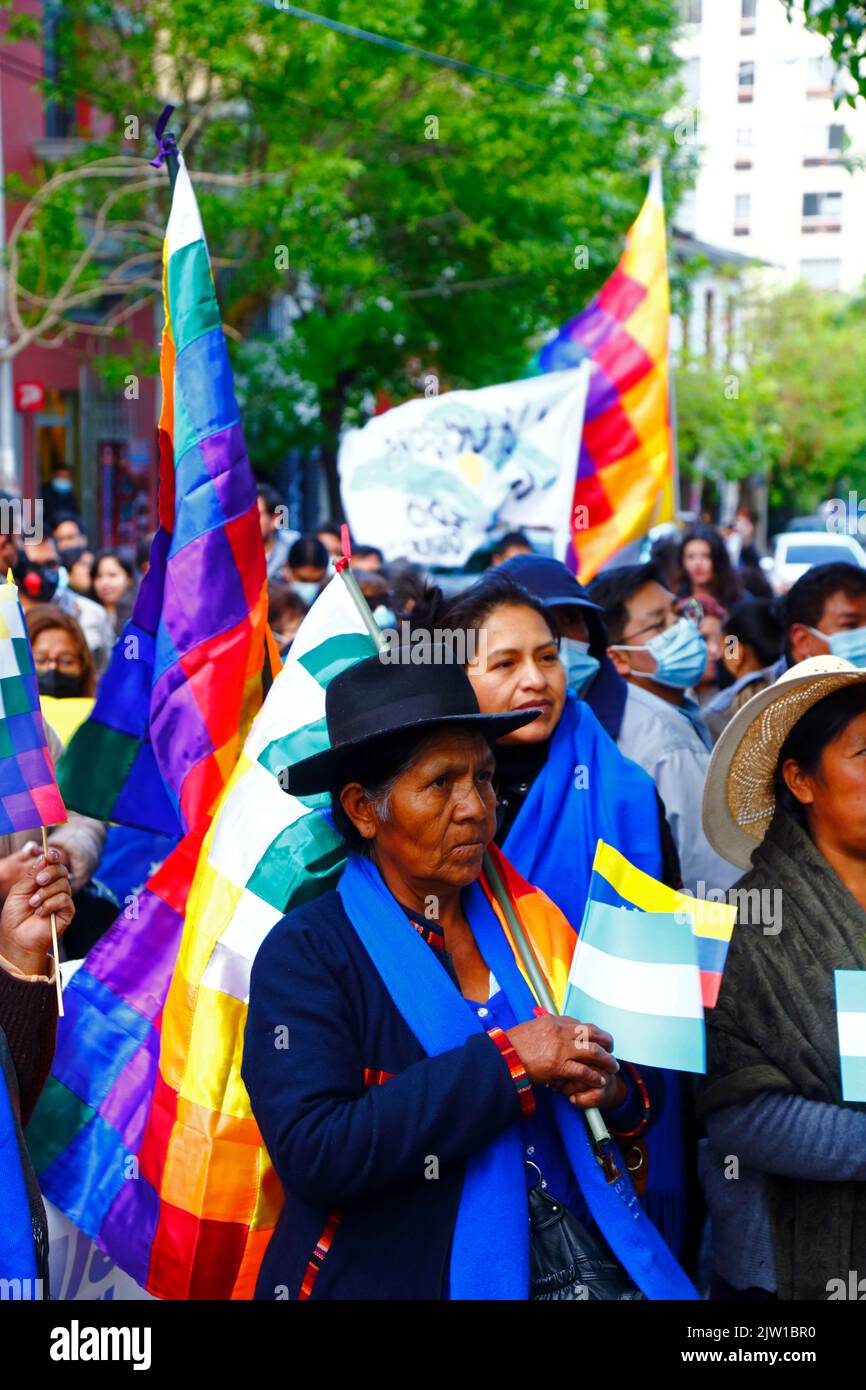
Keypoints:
(595, 1123)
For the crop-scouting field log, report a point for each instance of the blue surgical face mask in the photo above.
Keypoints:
(62, 484)
(850, 644)
(306, 589)
(580, 666)
(680, 654)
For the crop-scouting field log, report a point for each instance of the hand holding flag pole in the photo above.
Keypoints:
(595, 1123)
(29, 796)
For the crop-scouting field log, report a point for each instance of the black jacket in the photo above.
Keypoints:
(357, 1157)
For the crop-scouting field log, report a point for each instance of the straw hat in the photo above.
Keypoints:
(739, 797)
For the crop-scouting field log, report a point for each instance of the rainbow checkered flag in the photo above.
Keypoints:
(193, 664)
(149, 1065)
(29, 796)
(626, 466)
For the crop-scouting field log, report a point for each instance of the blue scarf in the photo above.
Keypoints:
(490, 1248)
(17, 1250)
(587, 791)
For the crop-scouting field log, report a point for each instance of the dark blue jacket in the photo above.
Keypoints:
(340, 1142)
(606, 697)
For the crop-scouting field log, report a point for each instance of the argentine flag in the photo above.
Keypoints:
(636, 974)
(851, 1022)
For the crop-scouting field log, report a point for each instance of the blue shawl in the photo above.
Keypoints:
(17, 1249)
(490, 1248)
(587, 791)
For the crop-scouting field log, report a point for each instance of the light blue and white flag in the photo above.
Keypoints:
(432, 479)
(851, 1022)
(636, 974)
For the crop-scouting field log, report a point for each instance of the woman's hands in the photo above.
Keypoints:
(25, 922)
(572, 1057)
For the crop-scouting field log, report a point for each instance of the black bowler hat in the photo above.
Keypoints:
(376, 699)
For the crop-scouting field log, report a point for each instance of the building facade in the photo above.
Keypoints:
(778, 180)
(61, 409)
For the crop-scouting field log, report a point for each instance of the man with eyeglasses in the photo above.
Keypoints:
(655, 645)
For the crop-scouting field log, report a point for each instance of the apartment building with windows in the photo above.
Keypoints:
(778, 179)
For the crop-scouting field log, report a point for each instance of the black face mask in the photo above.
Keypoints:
(60, 684)
(39, 583)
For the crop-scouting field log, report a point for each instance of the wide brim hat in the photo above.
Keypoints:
(388, 696)
(739, 794)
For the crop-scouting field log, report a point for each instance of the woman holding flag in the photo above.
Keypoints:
(563, 785)
(28, 1025)
(422, 1112)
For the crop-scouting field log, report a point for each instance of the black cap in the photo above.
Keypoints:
(548, 580)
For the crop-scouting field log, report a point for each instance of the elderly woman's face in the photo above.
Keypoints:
(442, 812)
(518, 667)
(835, 797)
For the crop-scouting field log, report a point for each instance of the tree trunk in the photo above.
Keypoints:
(332, 405)
(332, 483)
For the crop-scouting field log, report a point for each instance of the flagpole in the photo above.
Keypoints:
(594, 1121)
(672, 395)
(54, 946)
(168, 150)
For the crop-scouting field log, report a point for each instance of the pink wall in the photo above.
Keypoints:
(21, 65)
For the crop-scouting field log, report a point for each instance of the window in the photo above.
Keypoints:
(746, 82)
(691, 11)
(691, 78)
(709, 322)
(59, 116)
(742, 213)
(743, 150)
(820, 76)
(822, 204)
(822, 212)
(823, 144)
(816, 554)
(822, 273)
(748, 13)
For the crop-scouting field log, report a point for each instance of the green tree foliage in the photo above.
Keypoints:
(844, 24)
(790, 406)
(406, 218)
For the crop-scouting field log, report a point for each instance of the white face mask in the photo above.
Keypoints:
(306, 589)
(849, 644)
(680, 654)
(579, 665)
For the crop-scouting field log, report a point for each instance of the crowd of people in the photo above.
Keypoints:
(722, 729)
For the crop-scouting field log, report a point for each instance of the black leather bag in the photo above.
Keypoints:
(567, 1262)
